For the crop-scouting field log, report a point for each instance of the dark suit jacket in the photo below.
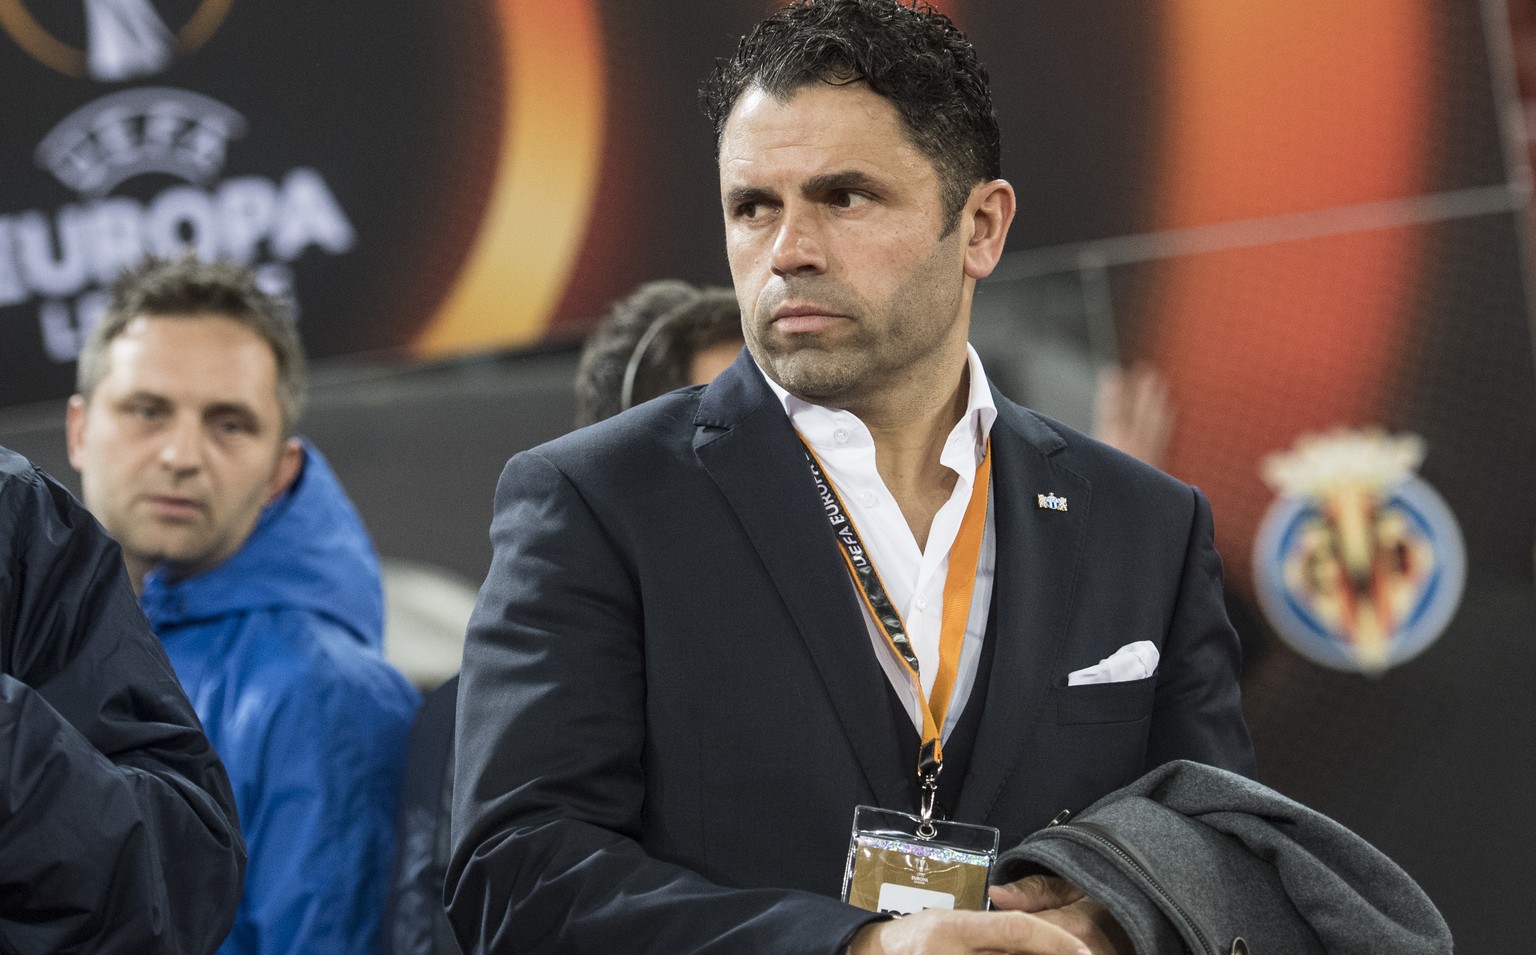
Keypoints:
(670, 705)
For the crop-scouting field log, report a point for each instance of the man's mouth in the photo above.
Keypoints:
(174, 507)
(802, 318)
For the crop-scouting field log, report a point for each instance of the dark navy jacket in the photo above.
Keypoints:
(670, 705)
(117, 826)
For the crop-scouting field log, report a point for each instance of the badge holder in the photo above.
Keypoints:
(899, 863)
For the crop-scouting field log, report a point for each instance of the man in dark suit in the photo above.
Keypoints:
(674, 694)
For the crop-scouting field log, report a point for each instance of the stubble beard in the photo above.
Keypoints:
(153, 541)
(814, 373)
(174, 546)
(862, 367)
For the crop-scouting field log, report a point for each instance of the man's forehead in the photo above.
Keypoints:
(816, 129)
(209, 358)
(205, 332)
(815, 112)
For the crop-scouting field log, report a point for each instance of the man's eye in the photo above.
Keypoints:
(747, 210)
(145, 412)
(845, 199)
(232, 426)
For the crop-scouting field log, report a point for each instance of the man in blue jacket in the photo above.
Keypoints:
(257, 574)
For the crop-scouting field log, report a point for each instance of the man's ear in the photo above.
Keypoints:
(74, 430)
(990, 213)
(290, 461)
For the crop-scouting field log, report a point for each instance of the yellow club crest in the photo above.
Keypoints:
(1358, 564)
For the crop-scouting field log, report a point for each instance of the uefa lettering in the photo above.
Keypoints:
(115, 137)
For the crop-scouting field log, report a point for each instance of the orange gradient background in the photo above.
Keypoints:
(546, 177)
(1276, 109)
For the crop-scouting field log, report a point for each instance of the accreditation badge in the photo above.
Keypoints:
(899, 863)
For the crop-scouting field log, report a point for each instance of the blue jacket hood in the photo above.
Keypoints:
(309, 550)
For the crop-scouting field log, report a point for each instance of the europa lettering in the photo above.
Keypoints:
(84, 246)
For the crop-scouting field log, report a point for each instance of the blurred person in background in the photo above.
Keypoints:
(665, 335)
(260, 580)
(117, 824)
(1133, 412)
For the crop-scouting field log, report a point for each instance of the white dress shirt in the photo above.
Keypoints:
(914, 576)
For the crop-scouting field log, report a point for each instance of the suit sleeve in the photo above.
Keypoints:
(549, 788)
(117, 825)
(1198, 711)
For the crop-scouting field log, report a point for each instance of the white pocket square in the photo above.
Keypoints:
(1134, 661)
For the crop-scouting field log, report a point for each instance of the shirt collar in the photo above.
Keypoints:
(827, 429)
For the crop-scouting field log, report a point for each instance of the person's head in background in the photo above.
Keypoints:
(189, 390)
(665, 335)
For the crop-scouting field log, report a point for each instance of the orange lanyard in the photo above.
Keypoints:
(959, 585)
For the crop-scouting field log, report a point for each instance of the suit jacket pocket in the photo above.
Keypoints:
(1120, 702)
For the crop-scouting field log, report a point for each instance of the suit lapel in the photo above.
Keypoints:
(1038, 551)
(746, 444)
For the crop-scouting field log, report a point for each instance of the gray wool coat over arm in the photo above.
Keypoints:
(1193, 858)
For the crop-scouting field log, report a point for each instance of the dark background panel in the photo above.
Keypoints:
(1472, 78)
(1076, 90)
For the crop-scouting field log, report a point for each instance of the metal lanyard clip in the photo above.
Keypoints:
(929, 765)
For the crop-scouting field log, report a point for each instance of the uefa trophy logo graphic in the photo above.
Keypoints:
(120, 40)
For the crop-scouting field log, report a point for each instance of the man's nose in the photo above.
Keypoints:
(182, 449)
(799, 247)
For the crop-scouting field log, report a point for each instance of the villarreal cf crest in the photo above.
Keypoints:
(1358, 564)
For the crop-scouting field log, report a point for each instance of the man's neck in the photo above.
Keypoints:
(908, 443)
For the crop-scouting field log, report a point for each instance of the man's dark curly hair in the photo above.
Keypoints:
(906, 51)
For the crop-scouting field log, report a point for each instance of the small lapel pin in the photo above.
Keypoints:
(1050, 502)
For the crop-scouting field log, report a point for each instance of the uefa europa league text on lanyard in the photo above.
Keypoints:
(899, 863)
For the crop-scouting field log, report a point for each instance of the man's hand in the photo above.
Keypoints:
(943, 932)
(1067, 907)
(1132, 412)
